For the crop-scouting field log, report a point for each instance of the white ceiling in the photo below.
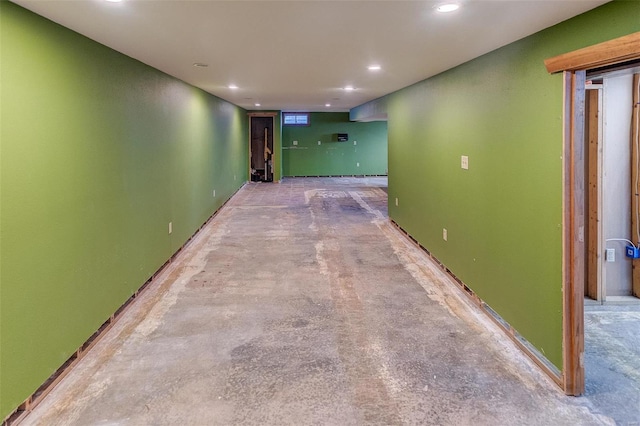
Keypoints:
(298, 55)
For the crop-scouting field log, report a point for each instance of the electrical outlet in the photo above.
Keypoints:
(396, 201)
(214, 193)
(295, 143)
(610, 255)
(444, 234)
(357, 164)
(170, 227)
(355, 142)
(319, 142)
(464, 162)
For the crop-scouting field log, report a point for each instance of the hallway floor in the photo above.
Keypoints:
(300, 304)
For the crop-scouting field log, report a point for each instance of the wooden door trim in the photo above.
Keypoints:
(262, 114)
(608, 53)
(574, 230)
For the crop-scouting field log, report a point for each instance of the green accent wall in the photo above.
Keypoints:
(99, 152)
(333, 158)
(504, 214)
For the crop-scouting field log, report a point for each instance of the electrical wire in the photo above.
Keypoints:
(623, 239)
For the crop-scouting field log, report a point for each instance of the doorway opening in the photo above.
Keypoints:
(261, 148)
(612, 303)
(612, 173)
(621, 53)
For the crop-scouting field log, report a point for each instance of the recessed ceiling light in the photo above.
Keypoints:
(349, 88)
(327, 105)
(197, 64)
(257, 104)
(233, 86)
(374, 67)
(113, 1)
(447, 7)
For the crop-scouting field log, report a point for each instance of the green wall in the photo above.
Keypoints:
(333, 158)
(504, 214)
(99, 152)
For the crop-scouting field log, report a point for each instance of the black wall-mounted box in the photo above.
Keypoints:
(342, 137)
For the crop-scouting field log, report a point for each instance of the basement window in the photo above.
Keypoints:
(295, 119)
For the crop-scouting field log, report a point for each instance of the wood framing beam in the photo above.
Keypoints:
(574, 261)
(593, 249)
(635, 182)
(611, 52)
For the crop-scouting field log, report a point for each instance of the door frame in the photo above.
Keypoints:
(574, 66)
(274, 154)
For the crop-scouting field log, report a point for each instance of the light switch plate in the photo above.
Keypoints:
(610, 255)
(464, 162)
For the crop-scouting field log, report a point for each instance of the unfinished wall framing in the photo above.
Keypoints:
(635, 184)
(261, 148)
(276, 155)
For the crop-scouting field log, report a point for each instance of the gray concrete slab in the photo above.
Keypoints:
(301, 304)
(612, 359)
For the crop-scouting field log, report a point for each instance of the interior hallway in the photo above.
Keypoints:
(299, 303)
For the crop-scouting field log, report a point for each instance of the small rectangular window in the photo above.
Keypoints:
(295, 118)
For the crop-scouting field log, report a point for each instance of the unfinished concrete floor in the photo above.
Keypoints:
(299, 304)
(612, 360)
